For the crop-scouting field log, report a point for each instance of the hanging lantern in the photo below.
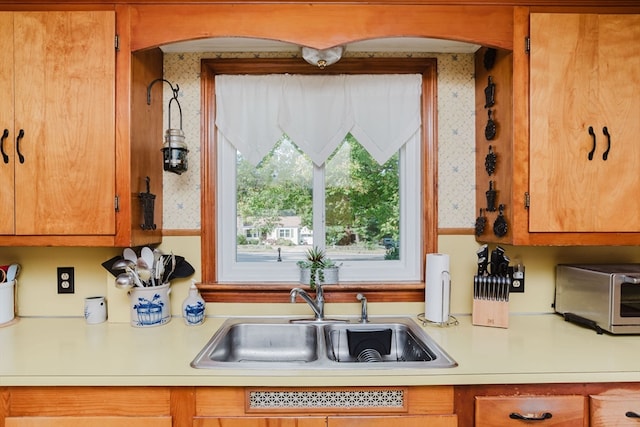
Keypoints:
(174, 149)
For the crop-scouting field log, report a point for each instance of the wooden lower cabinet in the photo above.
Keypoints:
(86, 406)
(570, 404)
(87, 421)
(324, 407)
(261, 422)
(499, 411)
(578, 404)
(615, 408)
(404, 421)
(333, 421)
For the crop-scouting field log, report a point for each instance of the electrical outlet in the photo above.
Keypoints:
(66, 280)
(517, 278)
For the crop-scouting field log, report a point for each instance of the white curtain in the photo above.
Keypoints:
(316, 112)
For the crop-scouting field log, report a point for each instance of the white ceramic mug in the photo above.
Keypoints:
(95, 310)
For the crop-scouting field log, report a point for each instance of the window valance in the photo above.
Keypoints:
(316, 112)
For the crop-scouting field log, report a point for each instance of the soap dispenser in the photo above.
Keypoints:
(193, 306)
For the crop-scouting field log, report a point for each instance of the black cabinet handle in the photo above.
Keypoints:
(541, 417)
(605, 131)
(631, 414)
(593, 135)
(5, 135)
(20, 136)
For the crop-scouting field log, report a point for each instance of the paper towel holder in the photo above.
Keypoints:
(451, 321)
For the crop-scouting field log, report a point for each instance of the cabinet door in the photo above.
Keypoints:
(581, 69)
(501, 411)
(615, 410)
(65, 104)
(87, 421)
(404, 420)
(261, 422)
(6, 123)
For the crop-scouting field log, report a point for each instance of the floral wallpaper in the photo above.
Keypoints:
(456, 136)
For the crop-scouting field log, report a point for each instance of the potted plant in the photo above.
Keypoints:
(317, 268)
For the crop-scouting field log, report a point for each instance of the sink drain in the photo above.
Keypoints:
(369, 355)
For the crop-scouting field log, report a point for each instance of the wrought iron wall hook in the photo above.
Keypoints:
(175, 90)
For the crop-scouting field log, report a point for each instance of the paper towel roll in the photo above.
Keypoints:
(437, 288)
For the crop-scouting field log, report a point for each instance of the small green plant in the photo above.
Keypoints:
(316, 261)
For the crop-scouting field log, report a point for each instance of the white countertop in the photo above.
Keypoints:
(534, 349)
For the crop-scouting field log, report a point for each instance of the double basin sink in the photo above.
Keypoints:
(288, 344)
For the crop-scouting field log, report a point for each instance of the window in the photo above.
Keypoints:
(419, 192)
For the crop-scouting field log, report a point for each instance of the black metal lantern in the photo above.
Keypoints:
(174, 149)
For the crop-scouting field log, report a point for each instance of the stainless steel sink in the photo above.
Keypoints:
(283, 343)
(402, 342)
(249, 342)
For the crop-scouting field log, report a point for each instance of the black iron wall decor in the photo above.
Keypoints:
(481, 223)
(490, 93)
(489, 58)
(147, 202)
(500, 226)
(492, 195)
(493, 213)
(491, 129)
(490, 161)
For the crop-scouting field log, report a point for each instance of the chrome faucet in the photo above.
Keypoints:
(364, 317)
(317, 306)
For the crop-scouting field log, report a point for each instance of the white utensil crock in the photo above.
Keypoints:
(7, 301)
(150, 306)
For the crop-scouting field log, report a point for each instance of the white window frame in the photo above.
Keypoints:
(408, 268)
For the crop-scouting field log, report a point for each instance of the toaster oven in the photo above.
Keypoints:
(605, 297)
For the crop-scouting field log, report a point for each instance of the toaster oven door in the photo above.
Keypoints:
(625, 300)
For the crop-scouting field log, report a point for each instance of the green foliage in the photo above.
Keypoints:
(284, 242)
(280, 184)
(392, 253)
(362, 197)
(350, 201)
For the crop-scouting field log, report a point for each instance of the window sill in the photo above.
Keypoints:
(343, 292)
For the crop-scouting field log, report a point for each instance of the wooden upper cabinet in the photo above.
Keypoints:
(574, 87)
(67, 160)
(584, 123)
(65, 103)
(61, 123)
(7, 134)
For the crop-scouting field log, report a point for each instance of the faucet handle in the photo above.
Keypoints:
(364, 317)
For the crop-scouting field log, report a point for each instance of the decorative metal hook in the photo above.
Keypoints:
(175, 91)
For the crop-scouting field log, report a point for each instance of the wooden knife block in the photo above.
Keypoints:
(492, 313)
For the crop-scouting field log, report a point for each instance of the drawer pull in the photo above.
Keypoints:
(631, 414)
(20, 136)
(5, 135)
(605, 131)
(593, 135)
(531, 417)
